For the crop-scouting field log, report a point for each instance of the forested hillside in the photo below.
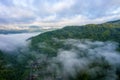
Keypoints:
(100, 32)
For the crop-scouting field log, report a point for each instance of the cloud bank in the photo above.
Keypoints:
(83, 59)
(56, 13)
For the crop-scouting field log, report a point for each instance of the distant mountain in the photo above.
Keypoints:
(12, 31)
(31, 29)
(115, 22)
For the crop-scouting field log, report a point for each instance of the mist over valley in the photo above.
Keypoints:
(59, 39)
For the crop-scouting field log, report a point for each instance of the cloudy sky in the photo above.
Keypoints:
(16, 14)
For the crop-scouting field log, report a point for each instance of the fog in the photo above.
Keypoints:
(78, 59)
(84, 53)
(11, 42)
(95, 59)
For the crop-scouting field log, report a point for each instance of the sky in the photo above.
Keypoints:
(20, 14)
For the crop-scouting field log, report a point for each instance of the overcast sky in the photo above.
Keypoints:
(53, 13)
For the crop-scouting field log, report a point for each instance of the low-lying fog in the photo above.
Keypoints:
(94, 59)
(10, 42)
(86, 59)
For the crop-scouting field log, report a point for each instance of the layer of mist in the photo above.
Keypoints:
(11, 42)
(79, 60)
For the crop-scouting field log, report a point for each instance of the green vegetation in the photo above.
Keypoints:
(11, 68)
(100, 32)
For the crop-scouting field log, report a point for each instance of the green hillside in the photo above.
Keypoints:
(50, 43)
(100, 32)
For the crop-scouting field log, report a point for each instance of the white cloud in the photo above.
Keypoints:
(58, 13)
(48, 18)
(14, 12)
(116, 11)
(62, 5)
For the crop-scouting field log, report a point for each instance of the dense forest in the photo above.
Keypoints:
(34, 62)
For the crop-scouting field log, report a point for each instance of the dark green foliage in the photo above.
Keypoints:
(11, 68)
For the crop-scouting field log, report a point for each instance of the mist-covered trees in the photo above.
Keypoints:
(100, 32)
